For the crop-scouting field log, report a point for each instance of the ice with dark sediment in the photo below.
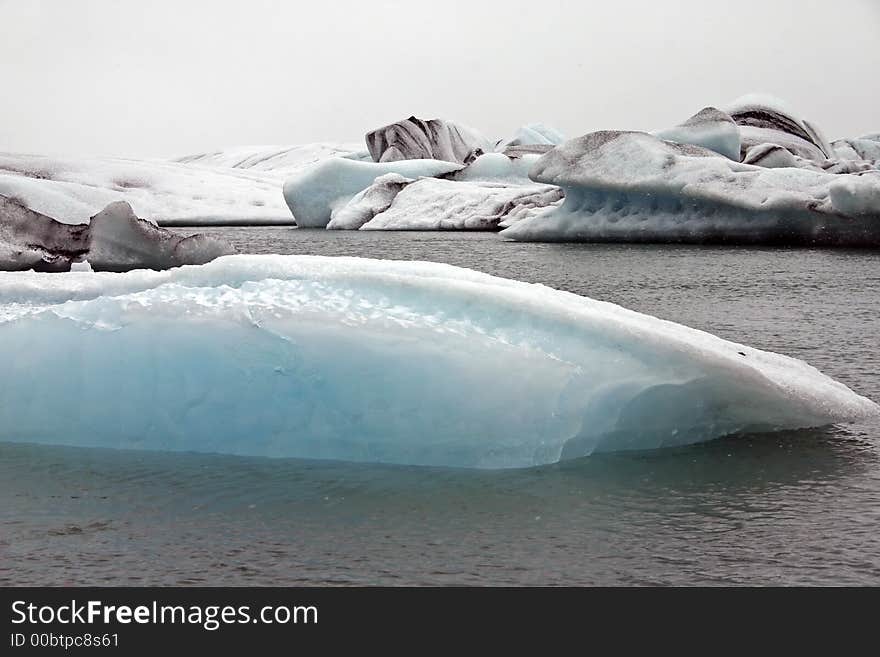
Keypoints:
(418, 139)
(30, 240)
(634, 187)
(115, 239)
(764, 119)
(764, 131)
(773, 156)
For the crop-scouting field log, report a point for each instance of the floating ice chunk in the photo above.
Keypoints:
(368, 360)
(537, 133)
(533, 134)
(313, 194)
(120, 241)
(30, 240)
(710, 128)
(767, 120)
(81, 266)
(491, 190)
(432, 204)
(629, 186)
(114, 240)
(368, 203)
(417, 139)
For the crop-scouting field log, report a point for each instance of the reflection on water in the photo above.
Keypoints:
(749, 509)
(785, 508)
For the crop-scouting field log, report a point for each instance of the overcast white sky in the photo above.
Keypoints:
(169, 77)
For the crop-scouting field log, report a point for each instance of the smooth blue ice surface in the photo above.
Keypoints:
(371, 360)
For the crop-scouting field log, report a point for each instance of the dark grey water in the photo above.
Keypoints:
(795, 508)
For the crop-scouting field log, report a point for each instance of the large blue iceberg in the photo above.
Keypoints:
(370, 360)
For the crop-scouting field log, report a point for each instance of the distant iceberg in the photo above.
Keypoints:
(634, 187)
(379, 361)
(534, 135)
(493, 190)
(426, 175)
(708, 179)
(417, 139)
(754, 172)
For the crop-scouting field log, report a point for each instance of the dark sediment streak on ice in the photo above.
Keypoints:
(30, 240)
(633, 187)
(417, 139)
(765, 122)
(114, 240)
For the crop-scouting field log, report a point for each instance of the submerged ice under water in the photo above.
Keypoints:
(791, 507)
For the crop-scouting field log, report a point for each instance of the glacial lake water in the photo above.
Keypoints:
(799, 507)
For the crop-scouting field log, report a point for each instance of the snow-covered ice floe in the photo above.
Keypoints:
(634, 187)
(276, 160)
(380, 361)
(394, 202)
(237, 186)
